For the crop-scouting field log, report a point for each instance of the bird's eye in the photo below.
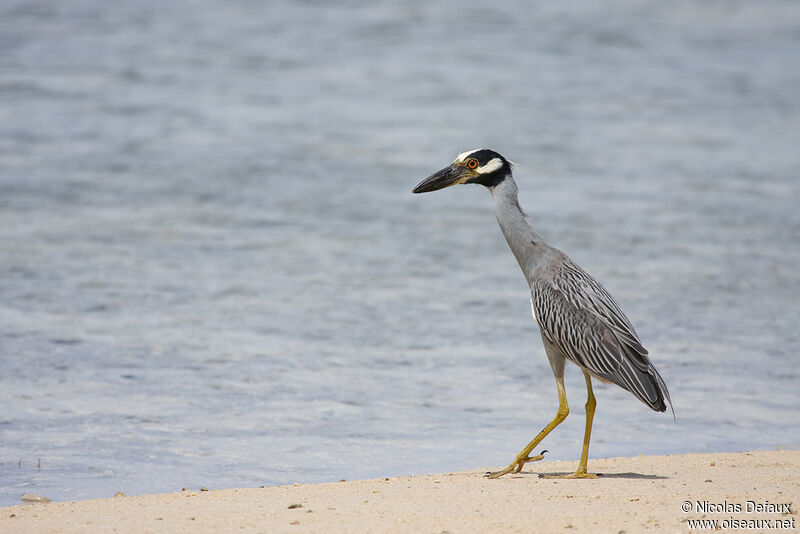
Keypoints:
(472, 163)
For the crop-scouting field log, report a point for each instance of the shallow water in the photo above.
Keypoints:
(213, 273)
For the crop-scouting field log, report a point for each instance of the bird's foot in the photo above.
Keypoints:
(576, 474)
(517, 465)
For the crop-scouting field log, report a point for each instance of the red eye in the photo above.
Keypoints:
(472, 163)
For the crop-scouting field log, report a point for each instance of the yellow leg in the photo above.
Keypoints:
(591, 403)
(523, 458)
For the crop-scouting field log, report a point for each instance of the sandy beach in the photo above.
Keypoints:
(643, 493)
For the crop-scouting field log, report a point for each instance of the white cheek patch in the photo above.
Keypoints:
(491, 166)
(464, 155)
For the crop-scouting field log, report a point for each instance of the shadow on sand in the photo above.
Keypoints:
(607, 475)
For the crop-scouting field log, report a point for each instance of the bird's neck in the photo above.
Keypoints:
(524, 242)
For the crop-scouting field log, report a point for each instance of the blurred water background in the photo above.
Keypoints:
(213, 272)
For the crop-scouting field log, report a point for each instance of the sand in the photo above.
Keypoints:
(644, 493)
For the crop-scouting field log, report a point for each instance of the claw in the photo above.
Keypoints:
(517, 465)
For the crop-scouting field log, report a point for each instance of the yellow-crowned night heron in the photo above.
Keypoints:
(578, 319)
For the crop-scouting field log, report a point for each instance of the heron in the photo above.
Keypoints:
(578, 318)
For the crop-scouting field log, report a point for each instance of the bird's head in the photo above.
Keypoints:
(481, 166)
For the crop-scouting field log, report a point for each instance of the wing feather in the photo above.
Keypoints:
(579, 317)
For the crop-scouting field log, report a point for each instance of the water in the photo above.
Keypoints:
(213, 273)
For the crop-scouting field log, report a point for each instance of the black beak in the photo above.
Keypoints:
(445, 178)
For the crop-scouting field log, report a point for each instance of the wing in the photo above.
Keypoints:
(579, 317)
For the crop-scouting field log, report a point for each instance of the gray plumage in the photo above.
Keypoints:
(579, 320)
